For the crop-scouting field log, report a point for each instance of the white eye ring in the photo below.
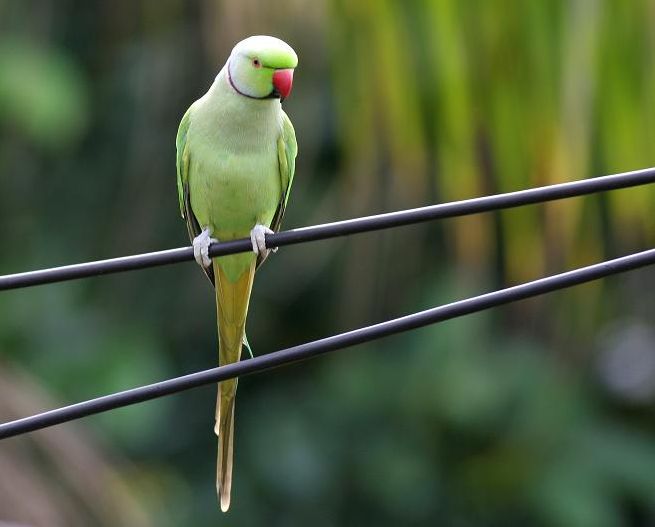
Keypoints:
(256, 63)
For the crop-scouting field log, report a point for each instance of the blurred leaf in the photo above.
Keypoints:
(42, 93)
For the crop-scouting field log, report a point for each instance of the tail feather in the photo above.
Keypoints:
(225, 451)
(232, 298)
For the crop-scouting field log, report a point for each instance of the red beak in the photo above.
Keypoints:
(282, 82)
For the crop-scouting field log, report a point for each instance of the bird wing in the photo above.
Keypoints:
(182, 162)
(287, 150)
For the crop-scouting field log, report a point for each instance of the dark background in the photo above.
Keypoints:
(539, 413)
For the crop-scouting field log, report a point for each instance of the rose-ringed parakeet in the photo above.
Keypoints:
(236, 151)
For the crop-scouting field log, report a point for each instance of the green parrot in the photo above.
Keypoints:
(236, 152)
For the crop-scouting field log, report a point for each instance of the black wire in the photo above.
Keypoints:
(317, 347)
(339, 228)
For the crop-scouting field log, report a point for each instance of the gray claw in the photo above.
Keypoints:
(201, 245)
(258, 239)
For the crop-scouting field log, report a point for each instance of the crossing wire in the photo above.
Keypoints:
(339, 228)
(329, 344)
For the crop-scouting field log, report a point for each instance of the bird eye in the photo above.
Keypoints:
(256, 63)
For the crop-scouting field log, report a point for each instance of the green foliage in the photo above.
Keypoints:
(42, 93)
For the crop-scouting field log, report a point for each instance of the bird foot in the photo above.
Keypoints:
(201, 245)
(258, 240)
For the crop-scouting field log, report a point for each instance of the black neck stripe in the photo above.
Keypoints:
(272, 95)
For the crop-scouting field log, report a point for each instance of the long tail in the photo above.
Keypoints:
(232, 307)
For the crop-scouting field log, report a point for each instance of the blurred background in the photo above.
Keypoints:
(538, 413)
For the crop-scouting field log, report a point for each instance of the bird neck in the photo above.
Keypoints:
(235, 108)
(234, 122)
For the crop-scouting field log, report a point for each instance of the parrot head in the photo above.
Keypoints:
(261, 67)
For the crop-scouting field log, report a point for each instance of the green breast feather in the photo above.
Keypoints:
(286, 153)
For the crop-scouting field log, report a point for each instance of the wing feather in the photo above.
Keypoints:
(287, 149)
(183, 164)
